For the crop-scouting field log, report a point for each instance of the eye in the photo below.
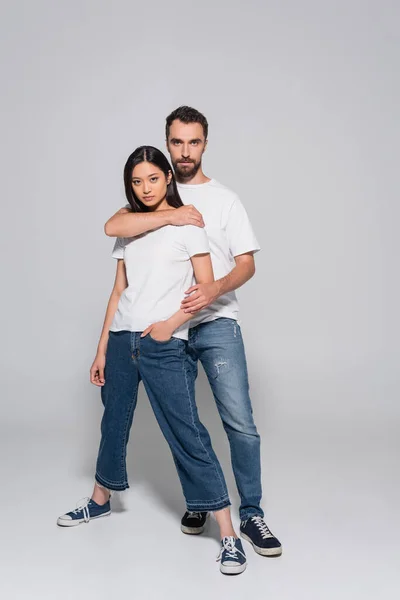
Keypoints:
(176, 142)
(136, 181)
(194, 143)
(153, 179)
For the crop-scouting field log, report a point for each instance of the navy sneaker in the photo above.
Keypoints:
(255, 531)
(193, 523)
(232, 556)
(84, 513)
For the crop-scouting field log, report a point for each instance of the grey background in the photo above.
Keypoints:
(302, 100)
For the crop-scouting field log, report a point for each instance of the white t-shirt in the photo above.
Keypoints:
(229, 233)
(159, 271)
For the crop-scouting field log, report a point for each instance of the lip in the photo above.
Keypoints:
(148, 198)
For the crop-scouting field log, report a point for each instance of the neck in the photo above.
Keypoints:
(196, 180)
(163, 205)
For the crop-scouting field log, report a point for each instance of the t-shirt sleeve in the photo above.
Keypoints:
(119, 246)
(240, 234)
(196, 240)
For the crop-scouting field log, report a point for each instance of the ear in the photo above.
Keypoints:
(169, 177)
(205, 146)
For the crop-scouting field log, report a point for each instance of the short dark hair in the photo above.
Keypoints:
(157, 158)
(186, 114)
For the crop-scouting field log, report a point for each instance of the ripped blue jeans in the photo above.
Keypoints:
(219, 346)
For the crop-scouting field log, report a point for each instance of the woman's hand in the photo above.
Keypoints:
(161, 331)
(97, 370)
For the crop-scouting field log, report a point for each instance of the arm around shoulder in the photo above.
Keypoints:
(126, 223)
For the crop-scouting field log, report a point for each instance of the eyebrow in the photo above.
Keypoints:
(151, 175)
(179, 140)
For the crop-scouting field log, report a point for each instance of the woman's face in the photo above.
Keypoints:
(150, 184)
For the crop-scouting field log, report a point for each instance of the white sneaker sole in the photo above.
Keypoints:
(262, 551)
(194, 530)
(74, 522)
(234, 570)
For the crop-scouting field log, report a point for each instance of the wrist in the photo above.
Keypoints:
(167, 217)
(172, 323)
(218, 285)
(101, 350)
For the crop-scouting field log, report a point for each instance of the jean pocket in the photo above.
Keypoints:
(160, 341)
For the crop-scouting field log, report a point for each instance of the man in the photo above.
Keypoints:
(215, 337)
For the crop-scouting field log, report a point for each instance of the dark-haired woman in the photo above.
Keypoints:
(144, 337)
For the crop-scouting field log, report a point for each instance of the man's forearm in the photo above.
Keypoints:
(235, 279)
(201, 295)
(126, 224)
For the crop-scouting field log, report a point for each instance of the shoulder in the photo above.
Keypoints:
(225, 201)
(194, 239)
(224, 192)
(190, 231)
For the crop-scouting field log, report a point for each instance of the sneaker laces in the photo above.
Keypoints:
(229, 546)
(262, 526)
(82, 506)
(194, 515)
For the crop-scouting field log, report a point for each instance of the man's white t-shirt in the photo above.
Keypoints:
(229, 233)
(159, 272)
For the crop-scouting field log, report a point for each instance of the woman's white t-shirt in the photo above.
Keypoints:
(159, 271)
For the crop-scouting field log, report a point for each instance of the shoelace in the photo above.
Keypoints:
(82, 505)
(194, 515)
(229, 545)
(262, 526)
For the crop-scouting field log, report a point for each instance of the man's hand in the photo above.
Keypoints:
(97, 370)
(161, 331)
(201, 295)
(186, 215)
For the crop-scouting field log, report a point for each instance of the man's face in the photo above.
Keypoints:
(186, 144)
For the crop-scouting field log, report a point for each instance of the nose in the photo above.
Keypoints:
(185, 151)
(146, 188)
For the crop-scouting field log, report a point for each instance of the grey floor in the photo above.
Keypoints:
(332, 499)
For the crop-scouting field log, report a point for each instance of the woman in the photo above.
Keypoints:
(144, 337)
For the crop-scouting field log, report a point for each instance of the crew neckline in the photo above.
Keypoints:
(195, 185)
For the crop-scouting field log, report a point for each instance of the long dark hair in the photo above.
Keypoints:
(157, 158)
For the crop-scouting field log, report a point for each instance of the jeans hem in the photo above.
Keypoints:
(254, 513)
(116, 487)
(207, 506)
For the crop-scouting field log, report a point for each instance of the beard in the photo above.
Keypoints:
(187, 171)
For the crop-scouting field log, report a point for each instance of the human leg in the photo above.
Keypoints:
(219, 346)
(169, 384)
(119, 397)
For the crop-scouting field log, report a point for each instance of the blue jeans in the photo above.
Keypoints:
(219, 347)
(165, 371)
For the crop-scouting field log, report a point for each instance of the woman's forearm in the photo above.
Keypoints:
(203, 272)
(178, 319)
(110, 312)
